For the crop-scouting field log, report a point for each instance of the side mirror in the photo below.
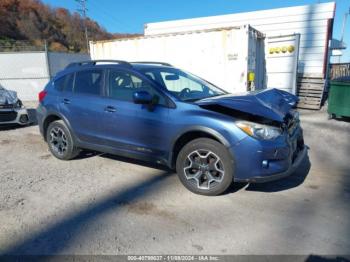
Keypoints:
(142, 97)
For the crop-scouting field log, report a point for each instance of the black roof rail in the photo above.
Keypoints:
(94, 62)
(151, 63)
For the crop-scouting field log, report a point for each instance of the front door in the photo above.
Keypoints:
(133, 127)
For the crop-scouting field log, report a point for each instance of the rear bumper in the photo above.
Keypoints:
(273, 177)
(14, 116)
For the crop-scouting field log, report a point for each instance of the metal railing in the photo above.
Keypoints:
(339, 70)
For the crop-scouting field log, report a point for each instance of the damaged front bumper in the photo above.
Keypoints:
(289, 171)
(264, 161)
(14, 116)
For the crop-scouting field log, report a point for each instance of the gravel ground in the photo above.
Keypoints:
(100, 204)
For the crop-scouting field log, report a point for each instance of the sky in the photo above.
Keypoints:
(129, 16)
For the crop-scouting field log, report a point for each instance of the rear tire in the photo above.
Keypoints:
(60, 141)
(205, 167)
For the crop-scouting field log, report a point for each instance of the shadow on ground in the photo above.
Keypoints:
(87, 154)
(315, 258)
(294, 180)
(343, 119)
(53, 239)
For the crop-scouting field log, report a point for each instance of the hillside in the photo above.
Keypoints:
(26, 24)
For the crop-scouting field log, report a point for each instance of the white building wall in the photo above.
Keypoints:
(26, 73)
(310, 21)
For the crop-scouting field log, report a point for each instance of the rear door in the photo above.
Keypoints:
(83, 106)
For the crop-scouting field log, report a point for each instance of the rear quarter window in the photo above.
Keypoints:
(64, 83)
(89, 82)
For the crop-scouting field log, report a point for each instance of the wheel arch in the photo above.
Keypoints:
(191, 134)
(54, 117)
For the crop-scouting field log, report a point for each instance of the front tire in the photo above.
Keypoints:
(205, 167)
(60, 141)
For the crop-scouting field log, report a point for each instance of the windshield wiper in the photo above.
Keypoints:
(191, 99)
(195, 99)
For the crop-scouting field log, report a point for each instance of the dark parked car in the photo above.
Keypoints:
(155, 112)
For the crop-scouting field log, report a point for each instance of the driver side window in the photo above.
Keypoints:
(177, 85)
(122, 86)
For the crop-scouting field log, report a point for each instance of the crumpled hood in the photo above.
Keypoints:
(273, 103)
(7, 97)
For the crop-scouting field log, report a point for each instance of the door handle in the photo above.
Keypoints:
(66, 101)
(110, 109)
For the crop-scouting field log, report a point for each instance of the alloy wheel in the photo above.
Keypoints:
(204, 169)
(58, 140)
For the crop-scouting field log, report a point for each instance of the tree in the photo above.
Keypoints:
(33, 21)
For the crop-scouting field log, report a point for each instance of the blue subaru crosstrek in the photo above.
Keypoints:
(155, 112)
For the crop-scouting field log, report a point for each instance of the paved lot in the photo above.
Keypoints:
(99, 204)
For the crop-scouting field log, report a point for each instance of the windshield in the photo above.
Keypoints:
(184, 86)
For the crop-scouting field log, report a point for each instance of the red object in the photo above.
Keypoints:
(42, 95)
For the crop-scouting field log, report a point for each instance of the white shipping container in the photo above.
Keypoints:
(282, 54)
(313, 22)
(225, 56)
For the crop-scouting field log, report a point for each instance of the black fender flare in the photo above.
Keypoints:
(208, 130)
(65, 120)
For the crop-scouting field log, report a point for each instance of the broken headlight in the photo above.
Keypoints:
(18, 104)
(259, 131)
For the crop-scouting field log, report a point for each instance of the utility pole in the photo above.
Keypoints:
(343, 27)
(343, 30)
(83, 10)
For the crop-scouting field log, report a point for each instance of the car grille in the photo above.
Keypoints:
(292, 123)
(7, 106)
(292, 126)
(298, 146)
(8, 116)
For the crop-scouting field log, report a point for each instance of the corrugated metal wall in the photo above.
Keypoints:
(27, 73)
(57, 61)
(311, 22)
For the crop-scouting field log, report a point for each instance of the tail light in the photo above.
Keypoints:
(42, 95)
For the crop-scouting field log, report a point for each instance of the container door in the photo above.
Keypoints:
(281, 62)
(256, 61)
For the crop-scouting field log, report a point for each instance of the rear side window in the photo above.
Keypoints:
(65, 83)
(89, 82)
